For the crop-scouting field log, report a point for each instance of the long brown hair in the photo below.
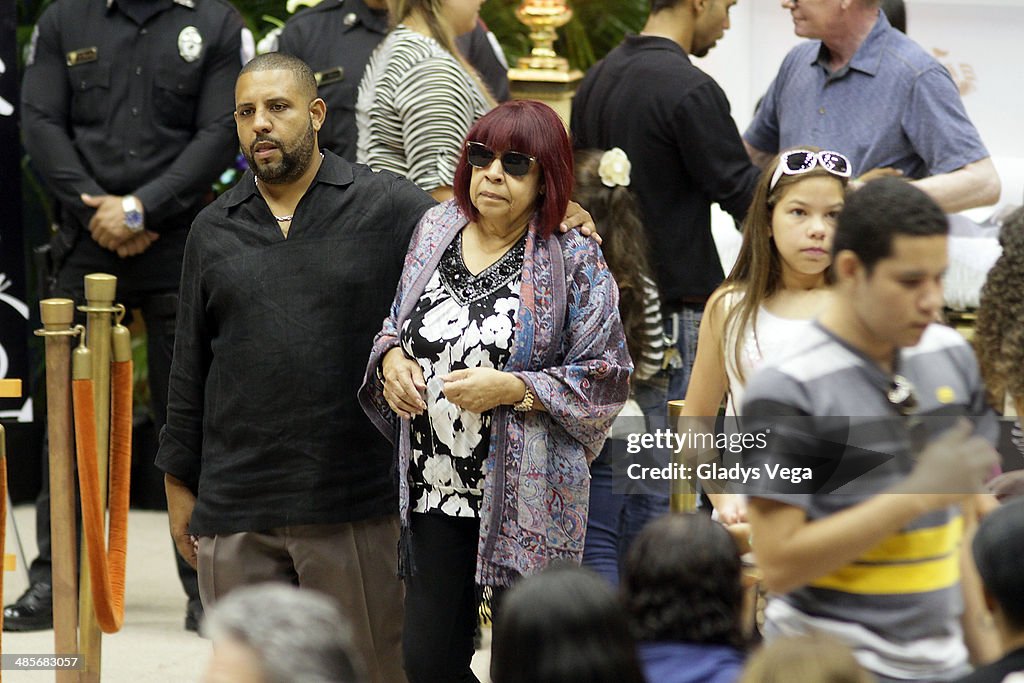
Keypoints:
(430, 11)
(623, 242)
(757, 274)
(999, 333)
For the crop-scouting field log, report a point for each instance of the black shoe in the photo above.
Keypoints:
(33, 611)
(194, 615)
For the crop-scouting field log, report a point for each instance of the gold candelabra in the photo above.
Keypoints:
(543, 18)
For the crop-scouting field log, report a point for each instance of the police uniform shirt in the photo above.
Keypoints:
(122, 97)
(481, 49)
(336, 39)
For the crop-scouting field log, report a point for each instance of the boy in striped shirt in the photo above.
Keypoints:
(874, 403)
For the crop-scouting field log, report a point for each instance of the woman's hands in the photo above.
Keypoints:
(480, 389)
(404, 385)
(475, 389)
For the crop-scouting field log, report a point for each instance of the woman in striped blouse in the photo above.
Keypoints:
(419, 96)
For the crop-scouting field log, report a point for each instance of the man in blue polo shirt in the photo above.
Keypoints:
(863, 88)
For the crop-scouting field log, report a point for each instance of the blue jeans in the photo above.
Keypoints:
(683, 326)
(615, 518)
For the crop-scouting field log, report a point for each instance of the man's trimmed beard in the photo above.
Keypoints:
(295, 158)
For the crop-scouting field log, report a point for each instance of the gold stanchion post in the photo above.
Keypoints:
(100, 289)
(57, 315)
(684, 490)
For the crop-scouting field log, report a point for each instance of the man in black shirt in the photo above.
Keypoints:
(336, 39)
(127, 117)
(673, 122)
(269, 459)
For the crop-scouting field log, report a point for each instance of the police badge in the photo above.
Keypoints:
(190, 43)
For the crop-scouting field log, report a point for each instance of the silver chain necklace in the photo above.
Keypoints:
(280, 219)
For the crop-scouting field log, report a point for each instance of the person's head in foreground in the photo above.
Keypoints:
(516, 166)
(997, 549)
(814, 658)
(275, 633)
(563, 625)
(889, 258)
(682, 582)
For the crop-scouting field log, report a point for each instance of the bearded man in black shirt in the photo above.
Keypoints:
(271, 469)
(126, 116)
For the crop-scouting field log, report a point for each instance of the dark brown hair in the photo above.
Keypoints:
(682, 582)
(623, 242)
(999, 333)
(757, 274)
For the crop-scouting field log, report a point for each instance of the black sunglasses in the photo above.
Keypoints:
(516, 164)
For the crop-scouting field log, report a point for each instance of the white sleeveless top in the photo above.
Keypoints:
(774, 340)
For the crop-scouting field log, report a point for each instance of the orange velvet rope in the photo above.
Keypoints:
(107, 569)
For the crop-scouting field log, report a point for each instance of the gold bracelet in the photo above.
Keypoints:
(526, 404)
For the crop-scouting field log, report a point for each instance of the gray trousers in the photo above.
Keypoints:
(355, 563)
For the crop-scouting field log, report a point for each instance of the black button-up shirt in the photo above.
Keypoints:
(112, 106)
(674, 123)
(272, 342)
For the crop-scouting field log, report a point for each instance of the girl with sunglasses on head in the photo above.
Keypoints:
(778, 285)
(500, 369)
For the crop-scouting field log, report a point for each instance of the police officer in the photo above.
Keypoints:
(336, 39)
(127, 117)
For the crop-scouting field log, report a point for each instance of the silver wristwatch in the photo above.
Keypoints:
(132, 213)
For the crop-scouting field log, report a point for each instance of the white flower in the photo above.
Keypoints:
(506, 305)
(614, 168)
(457, 507)
(496, 330)
(447, 321)
(478, 358)
(438, 471)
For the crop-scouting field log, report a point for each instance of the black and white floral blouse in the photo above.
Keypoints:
(461, 321)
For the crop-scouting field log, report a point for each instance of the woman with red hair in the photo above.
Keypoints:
(500, 369)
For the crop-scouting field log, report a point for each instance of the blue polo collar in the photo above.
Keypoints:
(868, 57)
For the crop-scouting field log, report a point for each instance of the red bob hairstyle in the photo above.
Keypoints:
(531, 128)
